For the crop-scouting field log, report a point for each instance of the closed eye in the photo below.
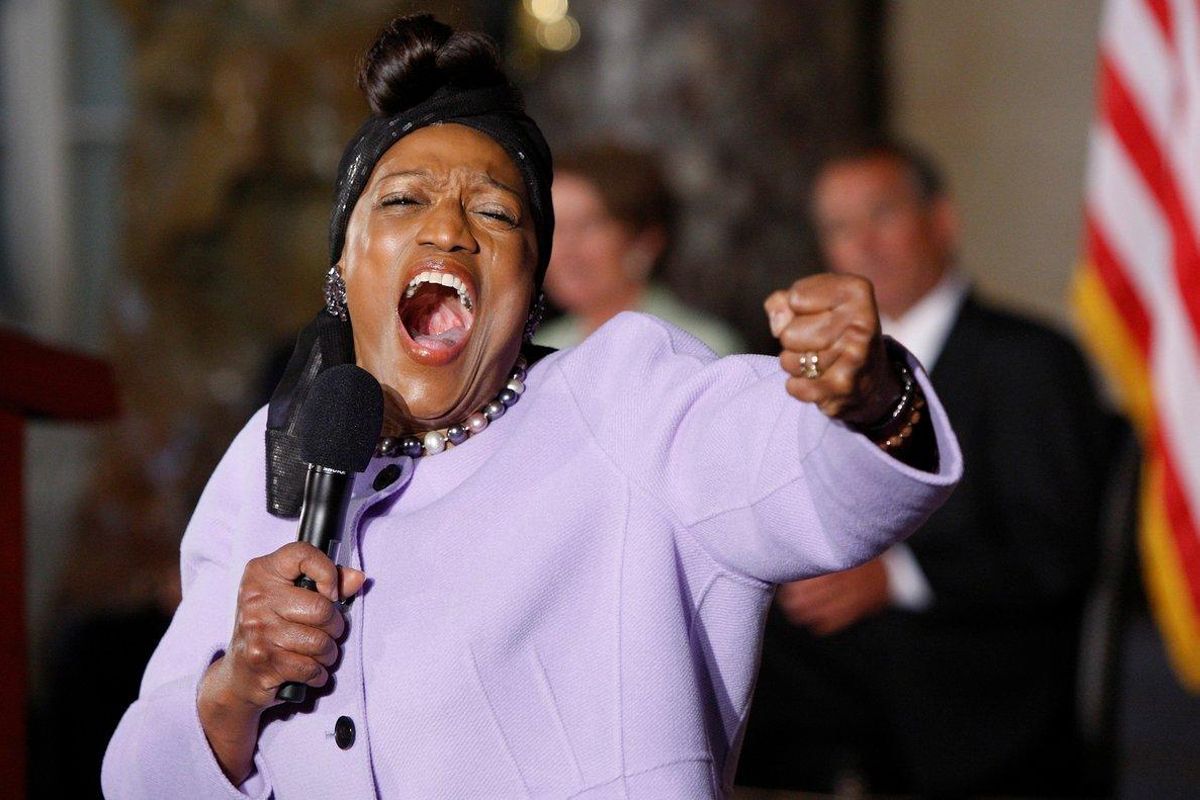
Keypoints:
(399, 200)
(502, 216)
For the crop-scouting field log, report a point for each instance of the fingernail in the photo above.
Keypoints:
(778, 320)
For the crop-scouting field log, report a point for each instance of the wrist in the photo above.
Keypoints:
(219, 698)
(893, 428)
(230, 723)
(887, 399)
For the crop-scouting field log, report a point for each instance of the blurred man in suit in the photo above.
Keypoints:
(946, 666)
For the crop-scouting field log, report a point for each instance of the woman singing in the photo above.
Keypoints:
(569, 554)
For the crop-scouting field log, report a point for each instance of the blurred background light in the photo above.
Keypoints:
(560, 35)
(547, 12)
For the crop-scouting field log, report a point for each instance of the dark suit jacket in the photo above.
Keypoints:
(974, 695)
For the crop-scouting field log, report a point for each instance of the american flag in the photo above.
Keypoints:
(1138, 290)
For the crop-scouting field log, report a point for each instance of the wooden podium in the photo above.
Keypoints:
(46, 383)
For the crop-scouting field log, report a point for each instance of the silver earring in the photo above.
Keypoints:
(335, 294)
(536, 311)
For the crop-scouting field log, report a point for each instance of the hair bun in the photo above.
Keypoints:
(416, 55)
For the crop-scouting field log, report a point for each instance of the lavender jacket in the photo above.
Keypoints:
(568, 605)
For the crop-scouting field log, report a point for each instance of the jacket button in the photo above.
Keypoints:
(343, 732)
(386, 477)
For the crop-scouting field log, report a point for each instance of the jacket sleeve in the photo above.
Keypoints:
(768, 486)
(159, 748)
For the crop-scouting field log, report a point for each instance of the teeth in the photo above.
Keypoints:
(442, 279)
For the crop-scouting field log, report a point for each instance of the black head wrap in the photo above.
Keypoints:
(496, 111)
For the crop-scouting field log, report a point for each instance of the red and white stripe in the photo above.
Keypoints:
(1142, 274)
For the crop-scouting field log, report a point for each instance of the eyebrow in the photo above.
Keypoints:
(426, 174)
(405, 173)
(501, 185)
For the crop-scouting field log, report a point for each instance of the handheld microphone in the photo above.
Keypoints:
(337, 429)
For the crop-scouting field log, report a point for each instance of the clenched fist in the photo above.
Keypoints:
(828, 327)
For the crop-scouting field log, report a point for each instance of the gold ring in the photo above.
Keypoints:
(810, 362)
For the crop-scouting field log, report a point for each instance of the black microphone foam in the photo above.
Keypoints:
(340, 420)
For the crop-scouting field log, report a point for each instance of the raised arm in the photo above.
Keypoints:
(760, 465)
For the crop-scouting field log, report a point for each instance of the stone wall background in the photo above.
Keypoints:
(737, 98)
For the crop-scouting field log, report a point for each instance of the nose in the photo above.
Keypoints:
(447, 227)
(860, 242)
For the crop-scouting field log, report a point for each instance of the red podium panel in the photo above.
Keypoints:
(39, 382)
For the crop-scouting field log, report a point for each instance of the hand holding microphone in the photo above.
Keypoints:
(338, 427)
(288, 620)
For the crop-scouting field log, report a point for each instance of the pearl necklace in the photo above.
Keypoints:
(434, 442)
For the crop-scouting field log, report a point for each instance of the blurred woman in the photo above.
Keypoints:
(614, 224)
(570, 553)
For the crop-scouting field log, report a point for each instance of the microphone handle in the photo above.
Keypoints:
(326, 497)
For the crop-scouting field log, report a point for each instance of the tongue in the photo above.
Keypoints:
(437, 320)
(448, 338)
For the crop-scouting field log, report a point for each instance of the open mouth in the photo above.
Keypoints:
(437, 311)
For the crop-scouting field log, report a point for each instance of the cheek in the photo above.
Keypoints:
(367, 296)
(902, 237)
(509, 278)
(560, 282)
(372, 277)
(377, 247)
(570, 275)
(568, 257)
(371, 264)
(606, 259)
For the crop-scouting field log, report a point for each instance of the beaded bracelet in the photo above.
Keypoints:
(896, 426)
(897, 440)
